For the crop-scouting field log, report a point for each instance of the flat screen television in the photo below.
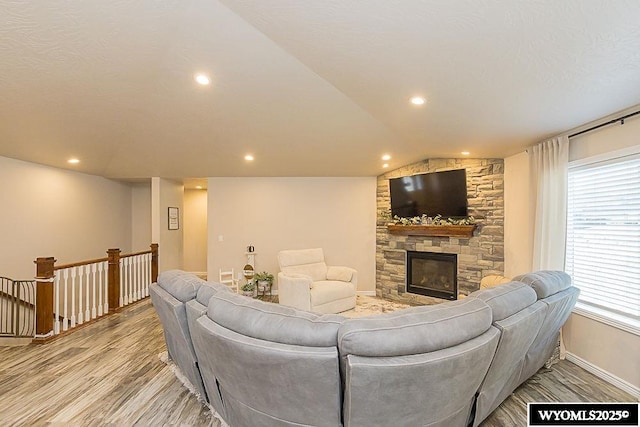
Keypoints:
(437, 193)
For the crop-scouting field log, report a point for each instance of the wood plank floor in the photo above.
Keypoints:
(109, 373)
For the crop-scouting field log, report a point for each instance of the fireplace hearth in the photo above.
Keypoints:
(432, 274)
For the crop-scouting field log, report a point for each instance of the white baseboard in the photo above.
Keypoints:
(367, 293)
(607, 376)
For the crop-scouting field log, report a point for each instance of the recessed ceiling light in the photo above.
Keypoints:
(248, 157)
(203, 79)
(73, 161)
(418, 100)
(386, 165)
(465, 153)
(198, 187)
(386, 157)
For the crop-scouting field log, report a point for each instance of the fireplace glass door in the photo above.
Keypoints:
(432, 274)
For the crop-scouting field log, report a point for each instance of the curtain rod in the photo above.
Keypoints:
(610, 122)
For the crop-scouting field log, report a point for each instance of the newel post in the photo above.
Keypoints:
(44, 296)
(154, 262)
(114, 279)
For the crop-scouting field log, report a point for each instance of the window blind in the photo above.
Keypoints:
(603, 234)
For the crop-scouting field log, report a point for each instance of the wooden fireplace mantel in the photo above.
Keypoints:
(432, 230)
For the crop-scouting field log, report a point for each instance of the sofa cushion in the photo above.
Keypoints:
(183, 287)
(170, 275)
(415, 330)
(272, 322)
(546, 282)
(325, 291)
(507, 299)
(209, 289)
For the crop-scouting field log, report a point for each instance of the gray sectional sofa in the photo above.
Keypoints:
(451, 364)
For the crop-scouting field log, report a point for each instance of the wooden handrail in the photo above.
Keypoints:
(80, 263)
(97, 260)
(133, 288)
(134, 254)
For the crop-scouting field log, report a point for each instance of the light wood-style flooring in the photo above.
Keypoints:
(109, 373)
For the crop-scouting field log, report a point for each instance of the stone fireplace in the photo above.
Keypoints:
(478, 255)
(432, 274)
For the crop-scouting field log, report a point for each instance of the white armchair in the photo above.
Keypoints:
(305, 282)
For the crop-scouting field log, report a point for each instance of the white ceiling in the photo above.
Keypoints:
(310, 88)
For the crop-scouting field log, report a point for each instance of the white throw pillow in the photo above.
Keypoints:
(342, 274)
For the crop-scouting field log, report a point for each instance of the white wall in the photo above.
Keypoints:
(608, 348)
(272, 214)
(606, 139)
(141, 217)
(53, 212)
(195, 230)
(518, 216)
(611, 349)
(166, 193)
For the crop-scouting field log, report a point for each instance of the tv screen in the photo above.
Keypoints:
(438, 193)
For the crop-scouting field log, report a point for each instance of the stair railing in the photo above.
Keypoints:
(70, 295)
(17, 309)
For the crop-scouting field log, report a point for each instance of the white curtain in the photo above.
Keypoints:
(549, 165)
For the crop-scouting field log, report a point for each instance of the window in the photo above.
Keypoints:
(603, 234)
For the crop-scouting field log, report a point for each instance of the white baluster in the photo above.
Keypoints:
(147, 274)
(87, 307)
(149, 267)
(129, 269)
(65, 299)
(56, 304)
(100, 289)
(123, 296)
(103, 273)
(93, 287)
(143, 274)
(136, 276)
(73, 296)
(80, 274)
(130, 280)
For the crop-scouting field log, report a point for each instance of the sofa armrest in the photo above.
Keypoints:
(342, 274)
(294, 290)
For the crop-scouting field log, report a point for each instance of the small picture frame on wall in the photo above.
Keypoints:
(174, 218)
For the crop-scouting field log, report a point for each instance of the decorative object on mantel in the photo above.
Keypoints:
(427, 226)
(437, 220)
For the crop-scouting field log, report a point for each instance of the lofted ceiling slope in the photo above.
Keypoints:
(309, 88)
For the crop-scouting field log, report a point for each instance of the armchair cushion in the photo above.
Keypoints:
(325, 291)
(343, 274)
(296, 279)
(309, 262)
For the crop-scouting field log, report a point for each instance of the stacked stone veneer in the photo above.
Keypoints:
(478, 256)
